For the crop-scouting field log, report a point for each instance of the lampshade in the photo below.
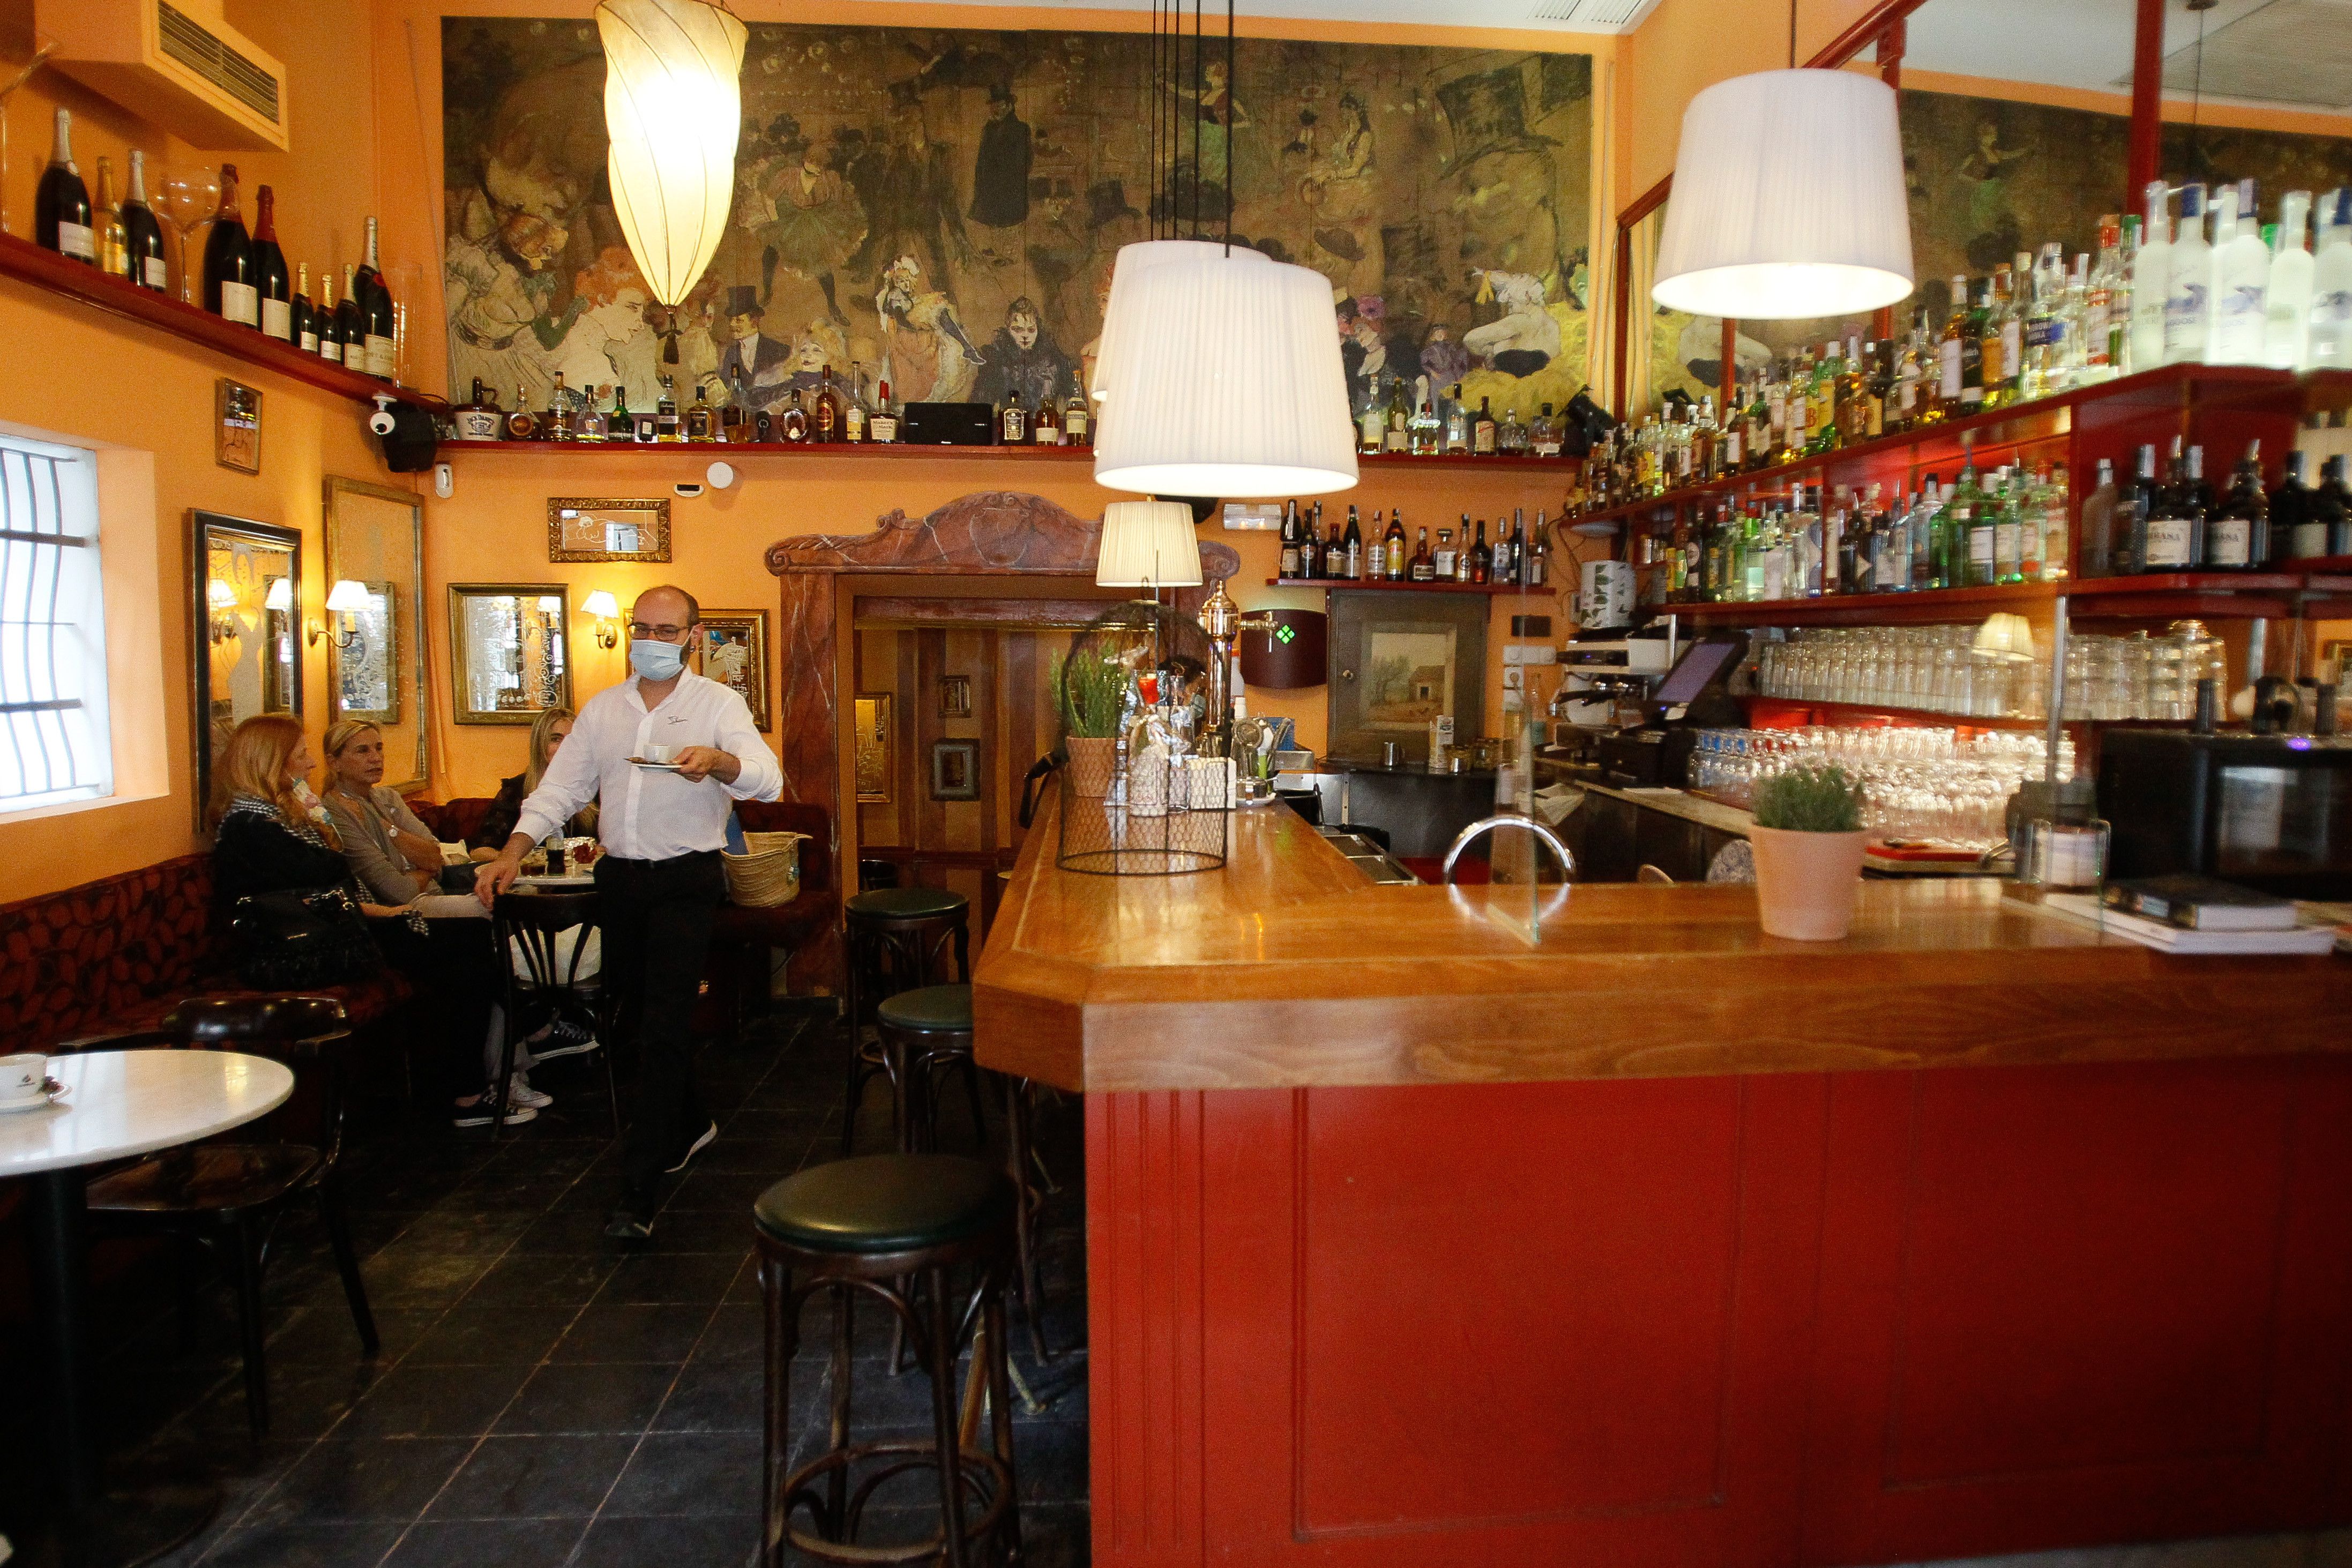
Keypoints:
(1132, 261)
(673, 104)
(347, 597)
(1147, 544)
(280, 596)
(1789, 200)
(601, 605)
(1226, 382)
(550, 604)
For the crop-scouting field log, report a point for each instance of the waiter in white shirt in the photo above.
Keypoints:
(660, 874)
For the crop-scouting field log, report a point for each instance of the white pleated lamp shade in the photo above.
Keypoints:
(1131, 262)
(1225, 380)
(1789, 200)
(1147, 544)
(673, 105)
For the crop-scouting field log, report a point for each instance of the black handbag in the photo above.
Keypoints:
(302, 938)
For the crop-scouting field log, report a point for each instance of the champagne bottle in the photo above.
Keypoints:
(61, 211)
(276, 296)
(1289, 567)
(1353, 540)
(105, 218)
(141, 233)
(374, 301)
(229, 292)
(329, 320)
(305, 320)
(351, 319)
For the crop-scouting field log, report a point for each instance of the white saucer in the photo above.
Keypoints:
(654, 767)
(51, 1092)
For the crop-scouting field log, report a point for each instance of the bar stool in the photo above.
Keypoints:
(896, 940)
(923, 1033)
(861, 1225)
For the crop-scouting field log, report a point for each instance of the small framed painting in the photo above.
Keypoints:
(582, 529)
(237, 435)
(873, 753)
(735, 654)
(955, 770)
(955, 697)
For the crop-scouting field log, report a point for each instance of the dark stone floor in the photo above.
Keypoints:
(544, 1398)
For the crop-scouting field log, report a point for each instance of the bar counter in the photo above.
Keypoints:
(1653, 1240)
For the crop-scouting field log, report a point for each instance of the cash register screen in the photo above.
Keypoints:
(1698, 665)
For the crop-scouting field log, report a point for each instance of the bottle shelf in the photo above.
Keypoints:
(903, 450)
(2264, 595)
(1359, 585)
(28, 263)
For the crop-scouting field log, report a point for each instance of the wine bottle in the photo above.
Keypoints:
(229, 292)
(105, 218)
(350, 323)
(61, 212)
(327, 319)
(374, 301)
(141, 233)
(270, 270)
(305, 320)
(2237, 536)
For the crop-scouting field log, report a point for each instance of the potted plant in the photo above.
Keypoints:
(1092, 694)
(1808, 842)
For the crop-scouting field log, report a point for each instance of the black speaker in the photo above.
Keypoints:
(410, 447)
(948, 425)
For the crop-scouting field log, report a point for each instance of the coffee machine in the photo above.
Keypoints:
(1602, 672)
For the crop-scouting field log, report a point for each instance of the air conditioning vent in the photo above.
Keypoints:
(1593, 16)
(188, 42)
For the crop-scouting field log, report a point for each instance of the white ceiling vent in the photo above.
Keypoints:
(1594, 16)
(177, 65)
(2289, 51)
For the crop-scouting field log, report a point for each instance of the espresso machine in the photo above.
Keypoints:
(1605, 677)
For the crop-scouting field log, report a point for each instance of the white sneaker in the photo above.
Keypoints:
(520, 1092)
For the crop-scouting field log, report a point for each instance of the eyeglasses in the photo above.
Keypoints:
(639, 631)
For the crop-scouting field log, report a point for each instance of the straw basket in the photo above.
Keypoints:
(769, 872)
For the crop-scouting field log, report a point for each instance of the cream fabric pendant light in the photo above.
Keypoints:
(1147, 544)
(1789, 200)
(673, 106)
(1133, 261)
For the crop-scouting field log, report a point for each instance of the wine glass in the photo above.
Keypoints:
(190, 197)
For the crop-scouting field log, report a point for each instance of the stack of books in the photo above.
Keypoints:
(2189, 914)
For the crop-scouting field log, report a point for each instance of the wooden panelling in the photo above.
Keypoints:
(906, 609)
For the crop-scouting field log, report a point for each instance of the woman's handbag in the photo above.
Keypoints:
(298, 939)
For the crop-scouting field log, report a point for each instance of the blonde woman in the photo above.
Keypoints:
(546, 733)
(395, 855)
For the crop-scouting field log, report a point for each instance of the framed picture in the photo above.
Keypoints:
(955, 770)
(507, 646)
(1397, 660)
(581, 529)
(735, 653)
(237, 438)
(246, 599)
(955, 697)
(375, 658)
(872, 719)
(367, 656)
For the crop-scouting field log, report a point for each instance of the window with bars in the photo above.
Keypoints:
(55, 746)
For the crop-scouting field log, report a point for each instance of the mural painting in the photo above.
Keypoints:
(941, 208)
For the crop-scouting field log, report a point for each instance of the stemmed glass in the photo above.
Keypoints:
(190, 197)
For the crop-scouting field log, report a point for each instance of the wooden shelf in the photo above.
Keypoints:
(1359, 585)
(860, 451)
(28, 263)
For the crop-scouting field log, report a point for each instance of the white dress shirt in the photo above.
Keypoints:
(649, 813)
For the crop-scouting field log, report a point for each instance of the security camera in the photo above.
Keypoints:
(380, 421)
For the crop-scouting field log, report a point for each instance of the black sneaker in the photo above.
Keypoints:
(476, 1112)
(565, 1039)
(710, 1134)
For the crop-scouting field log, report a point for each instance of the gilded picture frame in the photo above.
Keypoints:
(237, 426)
(734, 645)
(510, 647)
(593, 529)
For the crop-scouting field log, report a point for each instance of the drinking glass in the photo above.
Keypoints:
(190, 196)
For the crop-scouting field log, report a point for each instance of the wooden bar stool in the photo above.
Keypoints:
(927, 1032)
(896, 940)
(862, 1225)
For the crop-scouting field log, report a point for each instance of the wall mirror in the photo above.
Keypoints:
(582, 529)
(508, 651)
(247, 615)
(375, 620)
(873, 761)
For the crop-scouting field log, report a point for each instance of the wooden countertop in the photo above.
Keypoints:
(1288, 968)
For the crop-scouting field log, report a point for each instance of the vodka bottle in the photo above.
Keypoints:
(2329, 346)
(2242, 277)
(2188, 295)
(2151, 281)
(2288, 307)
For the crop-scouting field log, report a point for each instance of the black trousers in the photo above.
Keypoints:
(454, 975)
(656, 917)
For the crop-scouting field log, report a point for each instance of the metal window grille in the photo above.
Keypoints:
(55, 745)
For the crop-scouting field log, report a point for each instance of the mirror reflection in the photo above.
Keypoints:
(374, 621)
(247, 593)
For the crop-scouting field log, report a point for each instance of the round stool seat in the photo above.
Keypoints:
(933, 1010)
(886, 1203)
(906, 903)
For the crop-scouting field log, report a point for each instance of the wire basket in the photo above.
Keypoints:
(1159, 807)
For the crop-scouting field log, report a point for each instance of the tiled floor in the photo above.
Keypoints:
(544, 1398)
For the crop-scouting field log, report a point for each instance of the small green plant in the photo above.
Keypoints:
(1811, 797)
(1092, 694)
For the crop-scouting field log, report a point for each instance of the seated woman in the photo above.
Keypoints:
(546, 733)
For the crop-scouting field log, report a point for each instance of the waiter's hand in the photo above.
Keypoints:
(496, 876)
(696, 763)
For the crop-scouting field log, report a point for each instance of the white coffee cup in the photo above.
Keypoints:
(658, 754)
(22, 1075)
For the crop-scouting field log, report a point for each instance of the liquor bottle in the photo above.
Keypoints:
(763, 428)
(1457, 424)
(852, 406)
(2044, 340)
(1011, 421)
(1310, 543)
(1877, 388)
(1353, 553)
(593, 424)
(621, 425)
(1371, 426)
(1395, 550)
(1077, 421)
(1482, 430)
(2101, 512)
(1427, 434)
(884, 426)
(1952, 358)
(794, 428)
(478, 418)
(2170, 535)
(2103, 327)
(2329, 345)
(1046, 430)
(62, 219)
(556, 424)
(665, 425)
(2189, 292)
(1335, 553)
(1544, 437)
(825, 414)
(304, 317)
(701, 420)
(328, 321)
(1511, 435)
(1288, 570)
(1424, 565)
(2287, 308)
(2237, 537)
(1822, 405)
(2296, 529)
(2049, 547)
(229, 292)
(2240, 303)
(735, 416)
(375, 313)
(142, 232)
(2151, 279)
(106, 222)
(1998, 368)
(2135, 499)
(522, 425)
(1396, 418)
(352, 319)
(1447, 556)
(2333, 505)
(1482, 559)
(1926, 536)
(270, 279)
(1538, 567)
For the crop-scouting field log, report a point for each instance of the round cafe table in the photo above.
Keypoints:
(115, 1104)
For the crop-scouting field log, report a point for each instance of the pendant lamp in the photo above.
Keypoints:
(1147, 544)
(1119, 308)
(673, 105)
(1789, 200)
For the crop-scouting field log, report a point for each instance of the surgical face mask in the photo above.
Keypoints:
(656, 660)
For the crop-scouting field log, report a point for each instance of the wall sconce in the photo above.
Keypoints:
(607, 611)
(221, 598)
(346, 599)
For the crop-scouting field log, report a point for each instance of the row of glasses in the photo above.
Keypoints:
(1921, 784)
(1962, 671)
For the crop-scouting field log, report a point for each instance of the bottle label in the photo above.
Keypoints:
(240, 303)
(2229, 542)
(76, 240)
(2009, 356)
(2184, 317)
(1947, 363)
(2006, 539)
(2309, 539)
(277, 320)
(1547, 448)
(885, 427)
(157, 277)
(478, 423)
(310, 341)
(1073, 428)
(1980, 547)
(330, 349)
(1485, 444)
(2167, 543)
(381, 361)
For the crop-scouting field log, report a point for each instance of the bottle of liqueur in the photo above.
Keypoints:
(62, 219)
(1012, 421)
(556, 424)
(478, 418)
(1482, 430)
(1424, 565)
(374, 301)
(2101, 514)
(141, 233)
(329, 321)
(1352, 549)
(352, 321)
(1457, 424)
(854, 417)
(522, 425)
(735, 419)
(2237, 537)
(593, 424)
(884, 426)
(1395, 549)
(2242, 277)
(1077, 421)
(1511, 435)
(229, 292)
(270, 277)
(1446, 554)
(106, 219)
(2049, 498)
(2296, 529)
(1335, 553)
(1428, 435)
(2288, 313)
(1045, 429)
(827, 419)
(1996, 373)
(1544, 438)
(1482, 556)
(667, 429)
(701, 420)
(304, 318)
(2170, 532)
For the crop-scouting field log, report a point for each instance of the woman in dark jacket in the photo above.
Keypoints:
(547, 732)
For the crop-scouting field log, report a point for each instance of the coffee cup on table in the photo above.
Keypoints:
(22, 1077)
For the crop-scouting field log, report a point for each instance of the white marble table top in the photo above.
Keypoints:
(120, 1103)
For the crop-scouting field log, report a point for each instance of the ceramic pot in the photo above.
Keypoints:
(1805, 882)
(1093, 759)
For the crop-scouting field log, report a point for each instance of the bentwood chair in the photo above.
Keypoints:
(898, 939)
(543, 940)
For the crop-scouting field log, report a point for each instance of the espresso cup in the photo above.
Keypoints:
(22, 1075)
(658, 754)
